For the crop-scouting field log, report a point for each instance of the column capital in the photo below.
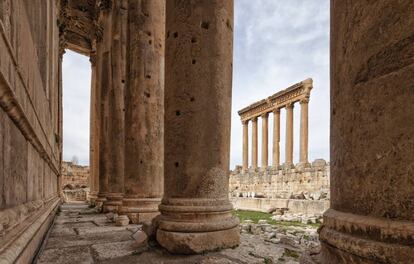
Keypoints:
(254, 119)
(304, 100)
(245, 122)
(290, 105)
(265, 115)
(276, 111)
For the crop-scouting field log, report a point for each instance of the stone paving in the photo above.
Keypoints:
(79, 237)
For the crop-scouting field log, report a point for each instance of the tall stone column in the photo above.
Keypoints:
(265, 140)
(94, 137)
(196, 214)
(276, 138)
(254, 143)
(144, 116)
(245, 145)
(371, 219)
(102, 81)
(304, 120)
(289, 134)
(114, 72)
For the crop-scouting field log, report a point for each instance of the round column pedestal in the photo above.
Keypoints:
(100, 199)
(93, 196)
(194, 226)
(113, 202)
(351, 238)
(140, 210)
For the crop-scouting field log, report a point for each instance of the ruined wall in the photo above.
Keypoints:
(294, 190)
(300, 182)
(30, 130)
(75, 182)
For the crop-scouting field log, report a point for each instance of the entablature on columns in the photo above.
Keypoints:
(78, 24)
(297, 92)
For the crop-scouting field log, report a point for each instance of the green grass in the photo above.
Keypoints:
(256, 216)
(290, 253)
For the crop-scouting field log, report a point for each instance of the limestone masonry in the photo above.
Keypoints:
(75, 182)
(161, 95)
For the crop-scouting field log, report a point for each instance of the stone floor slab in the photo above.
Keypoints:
(78, 255)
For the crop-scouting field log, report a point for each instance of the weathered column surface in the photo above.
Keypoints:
(195, 211)
(265, 140)
(102, 68)
(371, 219)
(254, 143)
(115, 71)
(289, 134)
(144, 121)
(304, 120)
(276, 138)
(245, 145)
(94, 137)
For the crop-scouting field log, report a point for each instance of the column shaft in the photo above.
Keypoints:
(94, 137)
(144, 121)
(304, 130)
(371, 218)
(245, 145)
(289, 134)
(113, 85)
(196, 212)
(276, 138)
(102, 66)
(265, 140)
(254, 143)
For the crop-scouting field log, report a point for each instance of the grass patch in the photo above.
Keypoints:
(256, 216)
(290, 253)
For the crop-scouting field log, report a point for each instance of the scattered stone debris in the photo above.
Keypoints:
(96, 238)
(122, 220)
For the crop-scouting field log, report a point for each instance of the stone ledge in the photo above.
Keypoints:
(25, 238)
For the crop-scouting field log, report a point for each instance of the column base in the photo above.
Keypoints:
(113, 203)
(350, 238)
(140, 210)
(92, 197)
(196, 243)
(193, 226)
(100, 199)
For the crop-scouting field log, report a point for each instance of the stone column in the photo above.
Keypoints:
(276, 138)
(304, 131)
(144, 116)
(265, 141)
(94, 137)
(371, 219)
(102, 69)
(245, 145)
(196, 214)
(254, 143)
(116, 105)
(289, 134)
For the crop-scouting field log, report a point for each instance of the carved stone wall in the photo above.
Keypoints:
(75, 182)
(30, 124)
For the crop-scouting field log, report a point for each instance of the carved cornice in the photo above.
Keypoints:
(291, 95)
(77, 24)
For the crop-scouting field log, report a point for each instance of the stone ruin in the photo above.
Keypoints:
(75, 182)
(288, 188)
(160, 119)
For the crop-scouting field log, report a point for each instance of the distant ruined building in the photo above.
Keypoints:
(160, 124)
(75, 182)
(301, 188)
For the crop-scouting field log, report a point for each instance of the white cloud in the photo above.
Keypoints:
(276, 44)
(76, 110)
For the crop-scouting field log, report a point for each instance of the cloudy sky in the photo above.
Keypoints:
(277, 43)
